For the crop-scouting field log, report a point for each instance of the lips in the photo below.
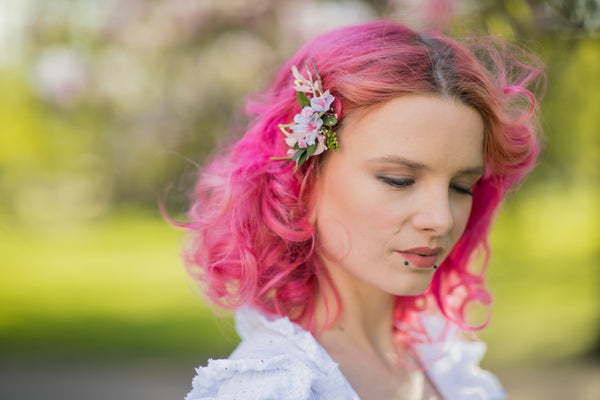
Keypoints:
(421, 257)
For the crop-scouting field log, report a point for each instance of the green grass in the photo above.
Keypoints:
(545, 276)
(113, 288)
(116, 287)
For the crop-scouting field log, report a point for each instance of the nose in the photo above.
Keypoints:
(433, 211)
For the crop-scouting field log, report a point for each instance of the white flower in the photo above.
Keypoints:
(320, 144)
(307, 112)
(311, 137)
(307, 130)
(307, 124)
(322, 103)
(292, 139)
(301, 84)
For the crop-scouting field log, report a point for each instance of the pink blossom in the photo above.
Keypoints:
(321, 147)
(307, 112)
(322, 103)
(306, 129)
(307, 124)
(305, 117)
(311, 136)
(292, 139)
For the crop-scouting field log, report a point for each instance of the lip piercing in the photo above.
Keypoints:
(405, 262)
(435, 267)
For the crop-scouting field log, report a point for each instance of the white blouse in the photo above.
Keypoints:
(278, 359)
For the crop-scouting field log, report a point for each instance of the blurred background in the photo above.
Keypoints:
(106, 109)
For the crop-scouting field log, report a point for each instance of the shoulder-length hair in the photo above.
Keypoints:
(250, 238)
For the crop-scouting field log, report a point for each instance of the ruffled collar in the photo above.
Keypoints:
(250, 322)
(451, 362)
(252, 325)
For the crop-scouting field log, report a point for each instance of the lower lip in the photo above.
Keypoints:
(420, 261)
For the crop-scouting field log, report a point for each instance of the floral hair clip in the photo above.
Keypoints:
(311, 132)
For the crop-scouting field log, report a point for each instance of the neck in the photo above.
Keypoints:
(366, 317)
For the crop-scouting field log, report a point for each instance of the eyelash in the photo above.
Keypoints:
(397, 183)
(462, 190)
(405, 182)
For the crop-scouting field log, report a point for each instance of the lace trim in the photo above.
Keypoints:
(306, 371)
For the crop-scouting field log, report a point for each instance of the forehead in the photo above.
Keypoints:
(429, 129)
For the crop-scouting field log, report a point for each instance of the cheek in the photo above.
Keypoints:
(461, 212)
(332, 233)
(333, 238)
(348, 215)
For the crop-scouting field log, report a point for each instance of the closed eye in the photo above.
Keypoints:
(396, 182)
(462, 189)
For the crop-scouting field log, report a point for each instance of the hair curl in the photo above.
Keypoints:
(250, 238)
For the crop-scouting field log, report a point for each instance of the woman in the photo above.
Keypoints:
(350, 268)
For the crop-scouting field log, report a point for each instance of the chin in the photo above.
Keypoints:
(412, 290)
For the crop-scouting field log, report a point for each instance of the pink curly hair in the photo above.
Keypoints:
(250, 239)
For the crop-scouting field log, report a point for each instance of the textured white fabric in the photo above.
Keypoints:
(453, 364)
(277, 359)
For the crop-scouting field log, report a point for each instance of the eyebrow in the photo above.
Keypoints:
(479, 170)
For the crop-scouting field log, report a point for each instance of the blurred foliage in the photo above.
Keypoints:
(107, 104)
(108, 289)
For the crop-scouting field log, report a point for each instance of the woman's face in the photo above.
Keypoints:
(398, 190)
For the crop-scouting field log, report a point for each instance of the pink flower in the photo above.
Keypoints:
(292, 139)
(307, 112)
(306, 116)
(305, 131)
(320, 145)
(310, 137)
(322, 103)
(306, 124)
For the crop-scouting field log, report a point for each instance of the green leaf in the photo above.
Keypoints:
(298, 154)
(302, 99)
(302, 159)
(329, 120)
(310, 150)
